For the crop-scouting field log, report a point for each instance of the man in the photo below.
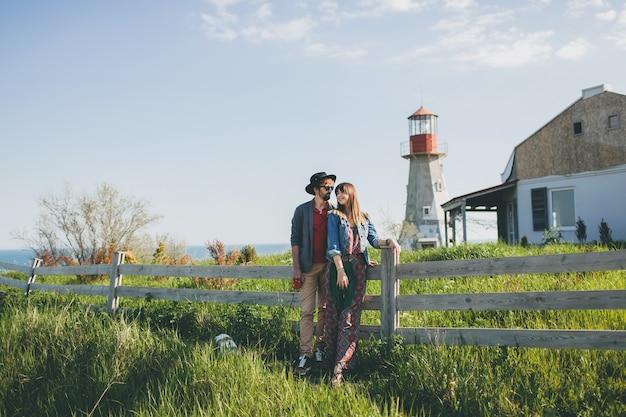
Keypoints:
(308, 252)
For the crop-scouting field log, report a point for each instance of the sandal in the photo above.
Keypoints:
(337, 377)
(336, 381)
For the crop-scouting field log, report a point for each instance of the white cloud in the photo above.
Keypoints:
(397, 5)
(218, 26)
(469, 36)
(467, 32)
(421, 52)
(576, 8)
(492, 19)
(619, 38)
(223, 4)
(329, 10)
(378, 8)
(622, 18)
(536, 5)
(485, 33)
(334, 51)
(264, 11)
(608, 15)
(296, 29)
(459, 4)
(574, 50)
(513, 53)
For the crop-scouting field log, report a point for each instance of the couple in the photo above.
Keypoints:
(328, 248)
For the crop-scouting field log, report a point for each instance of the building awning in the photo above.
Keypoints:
(482, 200)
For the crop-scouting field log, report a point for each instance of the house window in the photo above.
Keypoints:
(613, 121)
(426, 210)
(578, 128)
(539, 201)
(563, 208)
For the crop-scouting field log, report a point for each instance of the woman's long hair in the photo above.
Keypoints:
(352, 209)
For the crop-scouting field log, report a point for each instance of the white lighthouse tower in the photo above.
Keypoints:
(424, 225)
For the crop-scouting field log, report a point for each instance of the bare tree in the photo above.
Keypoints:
(82, 226)
(404, 231)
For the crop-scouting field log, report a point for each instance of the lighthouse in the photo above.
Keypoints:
(424, 222)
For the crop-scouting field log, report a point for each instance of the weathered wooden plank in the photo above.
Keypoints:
(204, 271)
(16, 283)
(290, 299)
(14, 267)
(368, 331)
(70, 289)
(372, 302)
(374, 273)
(389, 290)
(561, 339)
(552, 300)
(100, 269)
(575, 262)
(197, 271)
(209, 271)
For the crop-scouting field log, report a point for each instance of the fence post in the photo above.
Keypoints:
(116, 281)
(36, 263)
(389, 288)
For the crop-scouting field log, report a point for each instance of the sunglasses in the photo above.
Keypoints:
(327, 187)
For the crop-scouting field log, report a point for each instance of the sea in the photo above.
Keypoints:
(198, 252)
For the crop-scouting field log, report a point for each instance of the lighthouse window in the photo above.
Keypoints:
(438, 186)
(426, 210)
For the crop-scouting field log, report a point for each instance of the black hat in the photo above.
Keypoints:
(316, 180)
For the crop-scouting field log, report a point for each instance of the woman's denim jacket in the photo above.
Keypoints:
(337, 238)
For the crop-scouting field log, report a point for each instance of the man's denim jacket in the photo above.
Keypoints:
(338, 229)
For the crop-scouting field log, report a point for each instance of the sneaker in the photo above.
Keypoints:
(318, 356)
(304, 365)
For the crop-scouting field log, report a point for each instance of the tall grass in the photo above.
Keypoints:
(61, 358)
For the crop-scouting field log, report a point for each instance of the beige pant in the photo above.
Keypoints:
(312, 285)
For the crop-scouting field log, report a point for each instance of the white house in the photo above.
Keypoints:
(571, 169)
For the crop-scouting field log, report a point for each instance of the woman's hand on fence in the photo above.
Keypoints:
(396, 248)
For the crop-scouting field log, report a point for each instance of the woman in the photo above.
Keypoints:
(348, 230)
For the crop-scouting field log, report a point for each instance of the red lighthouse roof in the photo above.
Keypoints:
(422, 111)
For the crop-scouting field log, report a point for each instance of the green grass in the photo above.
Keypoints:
(59, 357)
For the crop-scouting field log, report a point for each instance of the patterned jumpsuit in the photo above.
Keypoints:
(343, 307)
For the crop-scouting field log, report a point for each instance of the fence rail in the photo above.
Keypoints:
(390, 302)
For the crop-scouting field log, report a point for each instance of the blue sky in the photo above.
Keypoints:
(217, 112)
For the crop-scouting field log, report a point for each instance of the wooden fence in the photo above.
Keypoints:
(390, 303)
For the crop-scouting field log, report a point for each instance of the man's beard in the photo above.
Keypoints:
(327, 197)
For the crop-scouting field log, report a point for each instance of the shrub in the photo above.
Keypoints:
(605, 233)
(581, 231)
(552, 236)
(248, 256)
